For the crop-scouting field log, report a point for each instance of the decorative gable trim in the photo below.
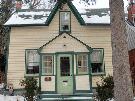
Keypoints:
(52, 14)
(88, 47)
(76, 13)
(73, 9)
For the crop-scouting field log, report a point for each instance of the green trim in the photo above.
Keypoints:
(90, 71)
(7, 56)
(73, 73)
(51, 16)
(48, 92)
(88, 47)
(60, 23)
(82, 91)
(40, 71)
(56, 55)
(76, 13)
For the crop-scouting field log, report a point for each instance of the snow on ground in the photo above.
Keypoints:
(11, 98)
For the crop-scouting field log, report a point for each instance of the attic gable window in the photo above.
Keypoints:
(65, 21)
(32, 62)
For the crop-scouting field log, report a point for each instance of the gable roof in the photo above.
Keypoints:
(130, 33)
(73, 9)
(97, 13)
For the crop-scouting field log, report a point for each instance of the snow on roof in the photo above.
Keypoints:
(92, 12)
(32, 17)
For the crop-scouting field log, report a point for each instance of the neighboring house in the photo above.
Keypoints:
(131, 39)
(65, 49)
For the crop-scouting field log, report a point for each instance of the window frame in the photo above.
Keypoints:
(77, 69)
(102, 62)
(26, 63)
(47, 74)
(66, 31)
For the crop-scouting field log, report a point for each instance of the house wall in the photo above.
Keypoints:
(22, 38)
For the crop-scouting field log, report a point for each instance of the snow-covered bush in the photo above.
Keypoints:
(30, 85)
(105, 89)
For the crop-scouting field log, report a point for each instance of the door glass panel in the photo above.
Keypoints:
(64, 66)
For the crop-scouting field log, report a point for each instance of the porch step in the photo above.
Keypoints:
(59, 97)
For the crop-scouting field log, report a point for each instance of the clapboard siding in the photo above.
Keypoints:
(95, 37)
(34, 37)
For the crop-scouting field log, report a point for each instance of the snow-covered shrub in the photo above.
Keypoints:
(30, 85)
(105, 89)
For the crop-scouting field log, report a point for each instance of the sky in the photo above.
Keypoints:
(99, 4)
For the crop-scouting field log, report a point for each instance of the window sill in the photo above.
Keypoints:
(65, 32)
(99, 74)
(45, 74)
(31, 75)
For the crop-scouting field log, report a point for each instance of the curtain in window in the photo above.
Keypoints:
(96, 56)
(32, 62)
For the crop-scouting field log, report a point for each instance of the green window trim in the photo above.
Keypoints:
(66, 27)
(46, 61)
(100, 69)
(26, 64)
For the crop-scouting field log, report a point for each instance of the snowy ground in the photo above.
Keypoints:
(11, 98)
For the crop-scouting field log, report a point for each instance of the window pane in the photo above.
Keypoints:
(82, 69)
(47, 64)
(64, 21)
(82, 63)
(96, 56)
(32, 60)
(65, 66)
(85, 63)
(96, 67)
(33, 56)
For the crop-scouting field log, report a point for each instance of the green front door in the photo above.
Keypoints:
(64, 74)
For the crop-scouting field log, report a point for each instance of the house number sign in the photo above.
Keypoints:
(48, 79)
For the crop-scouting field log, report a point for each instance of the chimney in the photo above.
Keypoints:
(18, 4)
(131, 11)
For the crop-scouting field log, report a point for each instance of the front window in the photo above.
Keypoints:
(47, 64)
(82, 64)
(97, 61)
(64, 21)
(32, 62)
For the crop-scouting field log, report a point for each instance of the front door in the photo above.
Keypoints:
(64, 74)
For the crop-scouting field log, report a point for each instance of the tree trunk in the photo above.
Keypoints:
(121, 70)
